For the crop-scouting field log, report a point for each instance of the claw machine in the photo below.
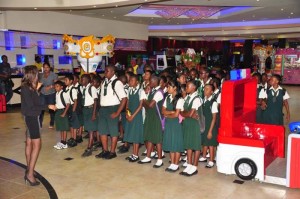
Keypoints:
(288, 61)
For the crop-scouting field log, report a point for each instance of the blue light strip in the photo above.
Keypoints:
(224, 25)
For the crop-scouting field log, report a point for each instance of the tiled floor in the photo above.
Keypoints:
(93, 178)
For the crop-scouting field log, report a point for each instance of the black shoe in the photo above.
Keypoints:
(96, 145)
(171, 170)
(123, 149)
(111, 156)
(87, 152)
(79, 139)
(36, 183)
(102, 154)
(182, 173)
(158, 166)
(134, 159)
(72, 142)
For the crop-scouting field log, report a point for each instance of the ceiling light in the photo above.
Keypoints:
(94, 6)
(103, 15)
(116, 6)
(111, 11)
(257, 0)
(292, 13)
(282, 9)
(115, 17)
(244, 20)
(35, 8)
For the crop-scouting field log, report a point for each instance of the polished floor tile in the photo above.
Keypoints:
(85, 178)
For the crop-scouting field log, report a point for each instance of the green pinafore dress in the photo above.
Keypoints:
(259, 111)
(134, 131)
(207, 106)
(173, 135)
(273, 113)
(152, 125)
(191, 130)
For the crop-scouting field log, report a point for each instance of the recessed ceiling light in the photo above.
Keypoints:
(103, 15)
(257, 0)
(177, 23)
(116, 6)
(292, 13)
(35, 8)
(281, 9)
(94, 6)
(253, 16)
(111, 11)
(244, 20)
(115, 17)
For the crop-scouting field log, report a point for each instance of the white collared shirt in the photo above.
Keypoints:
(111, 98)
(214, 107)
(179, 104)
(133, 90)
(72, 91)
(59, 104)
(88, 99)
(197, 102)
(219, 96)
(207, 82)
(263, 93)
(158, 96)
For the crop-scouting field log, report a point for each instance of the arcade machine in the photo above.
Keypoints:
(251, 150)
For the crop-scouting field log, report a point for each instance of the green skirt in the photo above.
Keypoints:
(89, 124)
(61, 123)
(134, 132)
(152, 127)
(173, 136)
(74, 120)
(191, 134)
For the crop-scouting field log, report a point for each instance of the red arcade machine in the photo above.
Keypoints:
(251, 150)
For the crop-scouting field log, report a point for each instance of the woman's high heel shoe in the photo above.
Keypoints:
(36, 183)
(34, 173)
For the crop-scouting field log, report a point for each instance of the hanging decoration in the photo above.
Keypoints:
(191, 59)
(89, 50)
(263, 52)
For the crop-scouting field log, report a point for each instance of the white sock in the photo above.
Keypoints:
(162, 154)
(146, 159)
(185, 164)
(187, 168)
(192, 169)
(159, 162)
(175, 167)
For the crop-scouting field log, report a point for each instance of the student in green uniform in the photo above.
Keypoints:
(209, 137)
(173, 136)
(89, 101)
(123, 122)
(152, 126)
(61, 119)
(259, 117)
(204, 79)
(272, 102)
(96, 82)
(134, 128)
(191, 129)
(78, 107)
(73, 119)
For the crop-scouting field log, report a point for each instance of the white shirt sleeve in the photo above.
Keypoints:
(286, 96)
(214, 108)
(196, 103)
(66, 98)
(94, 92)
(165, 103)
(179, 104)
(219, 99)
(143, 95)
(119, 88)
(158, 96)
(74, 94)
(262, 94)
